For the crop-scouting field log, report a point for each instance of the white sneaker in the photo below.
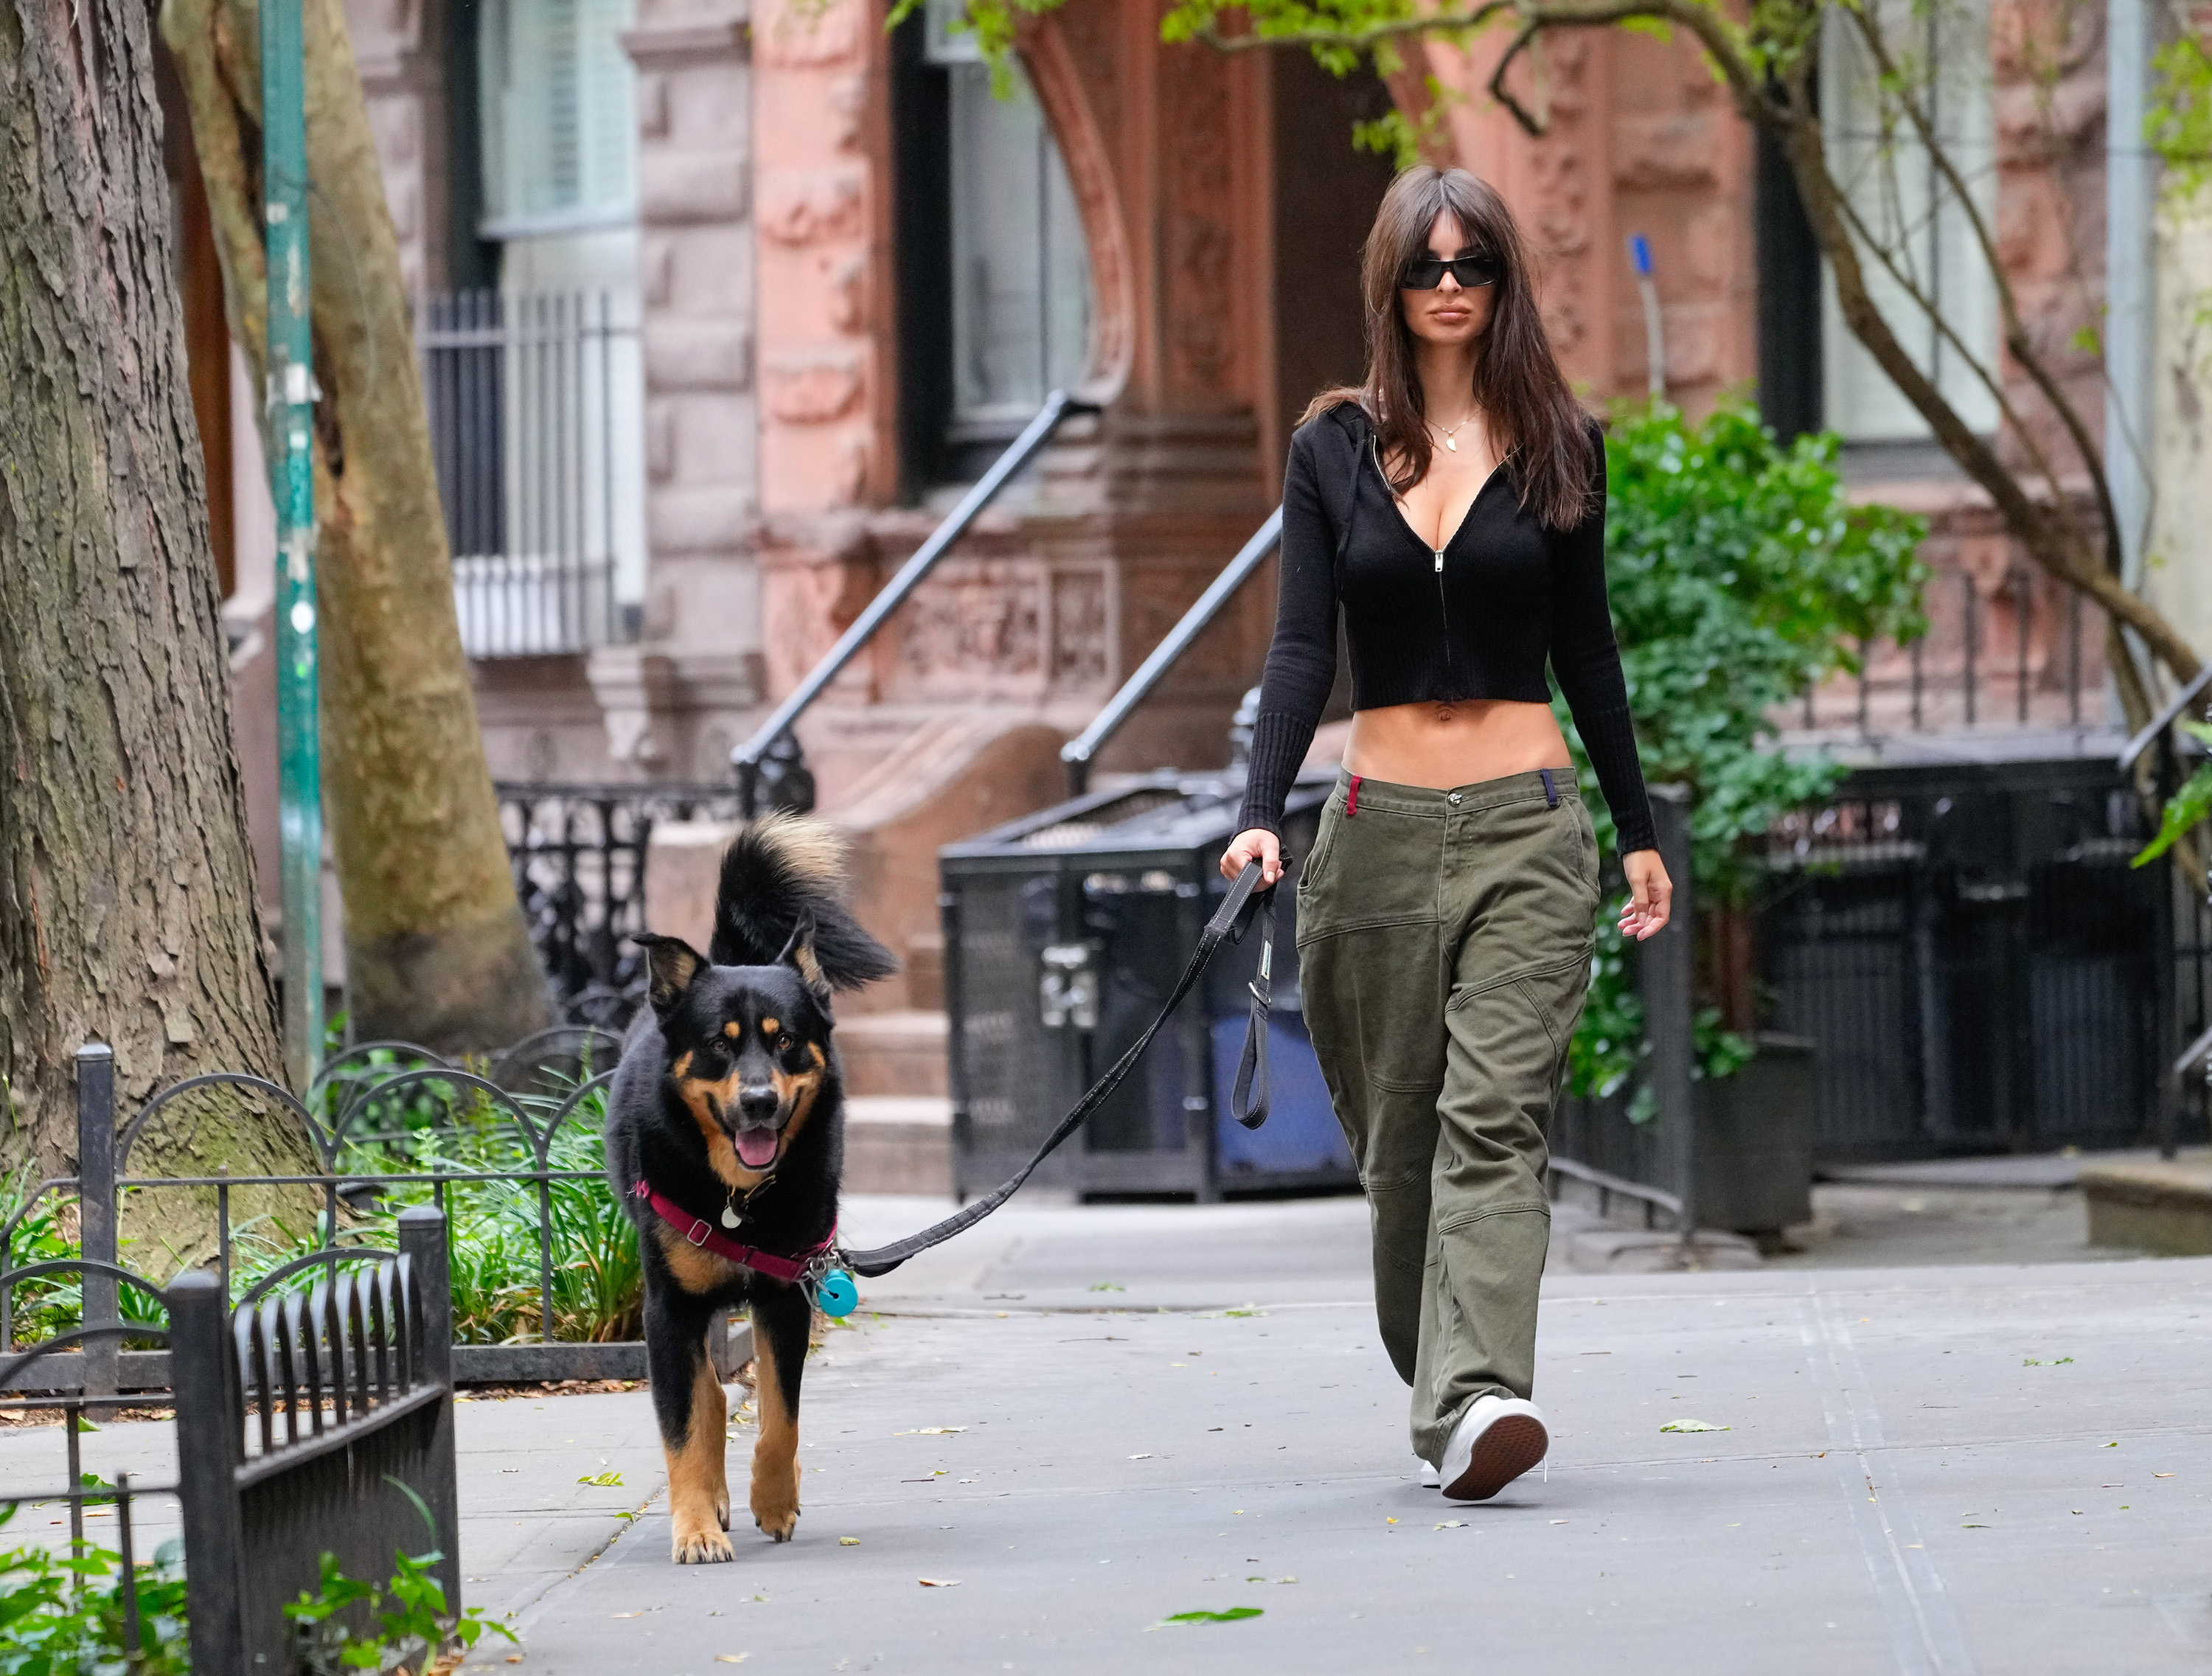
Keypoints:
(1429, 1476)
(1497, 1440)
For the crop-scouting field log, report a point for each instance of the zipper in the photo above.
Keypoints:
(1443, 608)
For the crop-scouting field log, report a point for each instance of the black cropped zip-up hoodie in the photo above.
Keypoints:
(1476, 621)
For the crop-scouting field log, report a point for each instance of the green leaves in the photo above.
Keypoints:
(2186, 807)
(1234, 1614)
(1741, 575)
(59, 1617)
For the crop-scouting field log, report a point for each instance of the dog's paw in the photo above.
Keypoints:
(776, 1522)
(708, 1547)
(722, 1509)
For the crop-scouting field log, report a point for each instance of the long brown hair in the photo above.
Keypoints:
(1532, 417)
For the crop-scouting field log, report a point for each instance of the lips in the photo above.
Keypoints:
(756, 1146)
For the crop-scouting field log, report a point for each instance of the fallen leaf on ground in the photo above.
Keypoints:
(603, 1480)
(730, 1658)
(2031, 1362)
(1231, 1616)
(848, 1542)
(938, 1582)
(930, 1432)
(1106, 1286)
(1562, 1522)
(2162, 1475)
(1453, 1525)
(1692, 1425)
(626, 1614)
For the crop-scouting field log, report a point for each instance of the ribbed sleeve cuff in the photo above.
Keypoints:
(1609, 736)
(1280, 744)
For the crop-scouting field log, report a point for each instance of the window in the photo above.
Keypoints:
(559, 127)
(995, 273)
(1908, 209)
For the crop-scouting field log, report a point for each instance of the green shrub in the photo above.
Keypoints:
(59, 1617)
(1740, 576)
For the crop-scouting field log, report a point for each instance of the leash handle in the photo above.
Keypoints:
(1227, 923)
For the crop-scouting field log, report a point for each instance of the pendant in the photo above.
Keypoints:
(729, 1217)
(1451, 444)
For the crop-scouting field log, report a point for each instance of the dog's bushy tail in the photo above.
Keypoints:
(779, 872)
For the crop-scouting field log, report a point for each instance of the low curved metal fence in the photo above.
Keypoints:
(546, 1284)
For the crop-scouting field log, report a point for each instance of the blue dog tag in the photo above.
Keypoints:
(836, 1295)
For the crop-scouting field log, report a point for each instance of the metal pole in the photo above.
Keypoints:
(208, 1437)
(1655, 336)
(423, 1242)
(1666, 969)
(95, 1197)
(291, 396)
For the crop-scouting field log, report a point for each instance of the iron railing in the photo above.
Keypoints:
(1966, 672)
(1979, 963)
(770, 766)
(578, 856)
(315, 1419)
(537, 430)
(1079, 752)
(378, 1123)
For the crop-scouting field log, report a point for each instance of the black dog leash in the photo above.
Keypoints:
(1229, 923)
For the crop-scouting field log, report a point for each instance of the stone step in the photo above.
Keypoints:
(898, 1144)
(2151, 1205)
(894, 1054)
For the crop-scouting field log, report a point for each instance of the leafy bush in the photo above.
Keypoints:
(1740, 576)
(57, 1618)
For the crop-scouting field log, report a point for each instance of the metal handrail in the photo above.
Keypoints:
(1080, 752)
(2164, 720)
(746, 758)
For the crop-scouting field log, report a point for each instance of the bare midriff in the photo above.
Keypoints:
(1443, 745)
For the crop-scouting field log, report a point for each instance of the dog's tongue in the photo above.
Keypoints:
(756, 1147)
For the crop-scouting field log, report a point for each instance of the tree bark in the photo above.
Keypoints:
(126, 887)
(436, 948)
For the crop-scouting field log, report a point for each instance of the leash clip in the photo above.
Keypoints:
(699, 1231)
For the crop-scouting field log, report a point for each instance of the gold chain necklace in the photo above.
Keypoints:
(1449, 435)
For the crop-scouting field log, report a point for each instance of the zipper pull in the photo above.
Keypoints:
(1440, 564)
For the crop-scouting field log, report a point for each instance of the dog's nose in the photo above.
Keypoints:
(757, 1104)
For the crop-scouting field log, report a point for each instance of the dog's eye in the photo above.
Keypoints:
(783, 1042)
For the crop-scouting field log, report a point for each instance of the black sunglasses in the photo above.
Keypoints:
(1473, 272)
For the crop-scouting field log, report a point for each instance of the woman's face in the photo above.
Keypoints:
(1452, 315)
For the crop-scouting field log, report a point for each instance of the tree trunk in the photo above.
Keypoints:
(126, 887)
(436, 948)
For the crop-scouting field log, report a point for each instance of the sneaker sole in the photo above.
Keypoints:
(1510, 1446)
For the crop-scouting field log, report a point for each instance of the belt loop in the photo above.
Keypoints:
(1351, 798)
(1551, 791)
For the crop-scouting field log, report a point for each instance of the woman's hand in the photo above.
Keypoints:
(1651, 894)
(1258, 845)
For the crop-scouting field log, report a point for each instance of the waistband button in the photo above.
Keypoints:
(1454, 798)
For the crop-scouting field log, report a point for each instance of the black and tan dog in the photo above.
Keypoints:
(725, 1139)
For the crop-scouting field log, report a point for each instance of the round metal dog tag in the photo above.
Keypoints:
(835, 1295)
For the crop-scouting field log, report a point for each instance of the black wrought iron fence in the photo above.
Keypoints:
(1980, 964)
(579, 855)
(2014, 655)
(510, 1151)
(307, 1422)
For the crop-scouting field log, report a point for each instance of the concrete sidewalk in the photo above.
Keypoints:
(1938, 1471)
(1923, 1471)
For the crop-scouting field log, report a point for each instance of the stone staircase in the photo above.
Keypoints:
(898, 1107)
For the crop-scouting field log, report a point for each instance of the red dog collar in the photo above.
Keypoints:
(704, 1234)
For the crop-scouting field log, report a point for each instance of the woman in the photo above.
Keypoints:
(1452, 508)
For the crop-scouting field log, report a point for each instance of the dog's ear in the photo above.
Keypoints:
(671, 965)
(798, 952)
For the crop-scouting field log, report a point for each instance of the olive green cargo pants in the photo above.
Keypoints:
(1444, 944)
